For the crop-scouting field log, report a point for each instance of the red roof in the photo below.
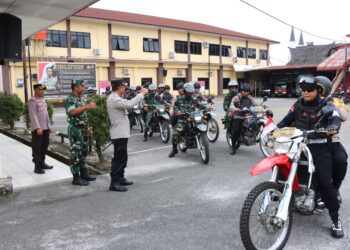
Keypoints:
(119, 16)
(336, 60)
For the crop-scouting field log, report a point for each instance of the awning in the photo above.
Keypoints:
(244, 68)
(37, 15)
(284, 67)
(335, 61)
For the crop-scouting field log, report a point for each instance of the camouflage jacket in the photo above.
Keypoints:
(152, 100)
(185, 104)
(71, 103)
(167, 97)
(227, 100)
(130, 96)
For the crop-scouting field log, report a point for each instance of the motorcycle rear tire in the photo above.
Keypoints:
(205, 151)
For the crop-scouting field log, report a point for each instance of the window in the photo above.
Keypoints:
(225, 83)
(178, 80)
(263, 54)
(251, 53)
(241, 52)
(56, 38)
(196, 48)
(206, 80)
(120, 42)
(214, 49)
(144, 80)
(80, 40)
(150, 45)
(225, 50)
(181, 47)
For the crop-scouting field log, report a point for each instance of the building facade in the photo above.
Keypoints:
(142, 48)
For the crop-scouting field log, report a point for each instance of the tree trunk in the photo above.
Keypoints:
(99, 151)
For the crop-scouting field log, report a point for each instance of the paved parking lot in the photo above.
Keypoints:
(176, 203)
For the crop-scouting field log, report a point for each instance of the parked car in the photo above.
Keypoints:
(283, 89)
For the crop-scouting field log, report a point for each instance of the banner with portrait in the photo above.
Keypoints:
(57, 77)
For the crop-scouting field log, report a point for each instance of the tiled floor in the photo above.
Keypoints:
(16, 161)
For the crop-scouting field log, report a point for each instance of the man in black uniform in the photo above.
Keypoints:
(303, 114)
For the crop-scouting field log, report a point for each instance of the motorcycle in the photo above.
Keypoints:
(257, 124)
(135, 118)
(213, 125)
(267, 213)
(160, 123)
(195, 134)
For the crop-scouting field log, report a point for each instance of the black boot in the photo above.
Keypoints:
(38, 169)
(174, 151)
(79, 181)
(116, 186)
(125, 182)
(45, 166)
(336, 228)
(233, 150)
(145, 135)
(84, 174)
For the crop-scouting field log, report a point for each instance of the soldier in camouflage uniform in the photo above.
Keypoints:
(78, 133)
(166, 96)
(233, 89)
(197, 94)
(183, 105)
(150, 102)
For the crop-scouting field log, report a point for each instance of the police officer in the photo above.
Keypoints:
(197, 94)
(78, 132)
(41, 128)
(183, 104)
(303, 114)
(340, 156)
(233, 88)
(244, 100)
(150, 102)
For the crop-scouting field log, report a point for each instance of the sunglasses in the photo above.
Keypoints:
(308, 89)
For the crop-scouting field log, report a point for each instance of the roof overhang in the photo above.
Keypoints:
(336, 61)
(245, 68)
(37, 15)
(285, 67)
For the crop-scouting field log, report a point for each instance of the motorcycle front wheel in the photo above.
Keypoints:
(213, 130)
(164, 131)
(204, 147)
(256, 227)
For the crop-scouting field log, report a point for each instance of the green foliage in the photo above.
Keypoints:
(11, 110)
(50, 109)
(99, 121)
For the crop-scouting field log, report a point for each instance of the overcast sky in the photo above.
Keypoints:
(324, 18)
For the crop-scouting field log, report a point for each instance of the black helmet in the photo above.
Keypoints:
(197, 85)
(245, 87)
(310, 81)
(167, 87)
(138, 88)
(326, 85)
(180, 85)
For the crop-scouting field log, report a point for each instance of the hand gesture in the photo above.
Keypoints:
(144, 91)
(91, 105)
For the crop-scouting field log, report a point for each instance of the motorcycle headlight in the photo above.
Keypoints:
(161, 110)
(197, 118)
(136, 107)
(282, 145)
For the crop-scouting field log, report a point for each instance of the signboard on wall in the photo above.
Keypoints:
(202, 83)
(57, 76)
(103, 86)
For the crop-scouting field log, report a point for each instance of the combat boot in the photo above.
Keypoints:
(174, 151)
(116, 186)
(145, 135)
(85, 175)
(46, 166)
(125, 182)
(38, 169)
(79, 181)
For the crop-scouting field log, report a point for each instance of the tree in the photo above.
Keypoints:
(11, 110)
(99, 121)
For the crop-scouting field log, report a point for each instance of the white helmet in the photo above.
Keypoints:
(233, 83)
(188, 87)
(152, 87)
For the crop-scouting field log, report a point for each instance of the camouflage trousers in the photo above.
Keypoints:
(149, 119)
(228, 121)
(179, 130)
(78, 148)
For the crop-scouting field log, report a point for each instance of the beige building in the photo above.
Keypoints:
(143, 48)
